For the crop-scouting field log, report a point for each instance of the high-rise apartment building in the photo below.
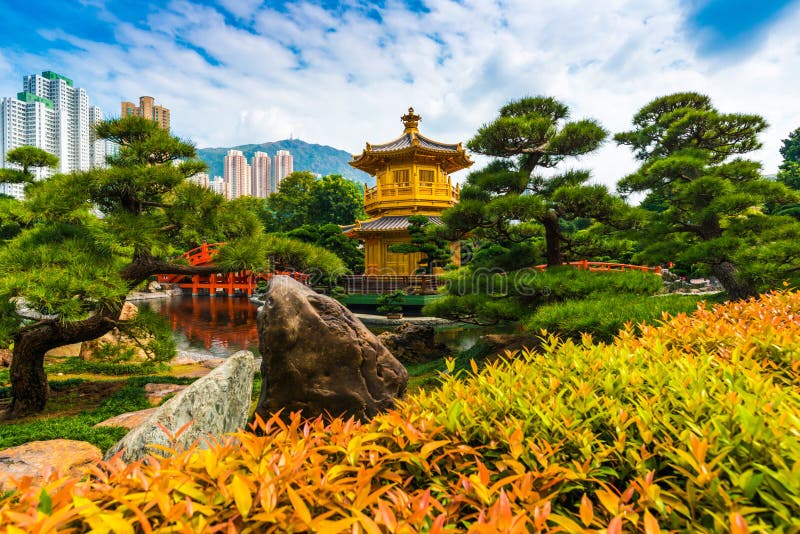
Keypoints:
(260, 175)
(217, 185)
(237, 175)
(283, 166)
(52, 114)
(201, 179)
(148, 109)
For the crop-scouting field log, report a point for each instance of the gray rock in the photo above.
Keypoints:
(318, 358)
(214, 405)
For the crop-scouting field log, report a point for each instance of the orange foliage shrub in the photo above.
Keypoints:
(692, 426)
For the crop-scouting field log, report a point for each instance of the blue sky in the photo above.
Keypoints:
(342, 72)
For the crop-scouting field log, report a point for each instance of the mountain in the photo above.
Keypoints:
(320, 159)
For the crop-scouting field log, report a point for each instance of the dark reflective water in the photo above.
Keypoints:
(210, 326)
(216, 327)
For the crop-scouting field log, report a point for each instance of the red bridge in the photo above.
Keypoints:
(231, 283)
(607, 266)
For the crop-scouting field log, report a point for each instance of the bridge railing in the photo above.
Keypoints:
(202, 254)
(607, 266)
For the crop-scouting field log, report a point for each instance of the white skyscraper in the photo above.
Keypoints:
(217, 185)
(51, 114)
(282, 166)
(260, 182)
(237, 175)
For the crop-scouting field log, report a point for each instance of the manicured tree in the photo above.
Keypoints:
(508, 200)
(69, 273)
(519, 212)
(425, 238)
(714, 201)
(27, 157)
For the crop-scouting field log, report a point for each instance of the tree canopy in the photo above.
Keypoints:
(67, 274)
(510, 200)
(789, 171)
(713, 201)
(26, 157)
(426, 238)
(304, 199)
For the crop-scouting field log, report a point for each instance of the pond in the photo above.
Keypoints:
(216, 327)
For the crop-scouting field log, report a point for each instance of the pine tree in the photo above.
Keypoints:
(509, 201)
(66, 277)
(427, 239)
(714, 201)
(789, 171)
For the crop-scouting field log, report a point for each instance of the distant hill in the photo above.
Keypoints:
(318, 159)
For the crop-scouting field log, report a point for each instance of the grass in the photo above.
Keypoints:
(76, 405)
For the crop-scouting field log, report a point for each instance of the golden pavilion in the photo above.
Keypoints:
(413, 178)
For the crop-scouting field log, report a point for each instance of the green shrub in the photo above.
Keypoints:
(391, 302)
(604, 316)
(486, 297)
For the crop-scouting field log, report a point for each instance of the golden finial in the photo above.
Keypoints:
(411, 120)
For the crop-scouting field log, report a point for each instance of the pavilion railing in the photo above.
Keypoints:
(418, 284)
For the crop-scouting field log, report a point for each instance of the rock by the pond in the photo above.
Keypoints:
(155, 393)
(213, 363)
(413, 343)
(38, 458)
(214, 405)
(129, 420)
(5, 357)
(318, 357)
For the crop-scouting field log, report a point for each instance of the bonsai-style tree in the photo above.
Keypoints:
(518, 210)
(510, 201)
(27, 157)
(391, 303)
(65, 278)
(425, 238)
(713, 202)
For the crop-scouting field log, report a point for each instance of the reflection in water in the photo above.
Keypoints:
(210, 326)
(216, 327)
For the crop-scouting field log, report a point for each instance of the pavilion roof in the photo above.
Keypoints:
(387, 223)
(412, 145)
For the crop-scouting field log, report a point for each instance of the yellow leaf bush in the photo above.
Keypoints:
(693, 425)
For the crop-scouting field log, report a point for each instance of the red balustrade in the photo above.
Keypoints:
(230, 283)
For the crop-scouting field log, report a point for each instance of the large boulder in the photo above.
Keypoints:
(216, 404)
(414, 343)
(37, 459)
(318, 357)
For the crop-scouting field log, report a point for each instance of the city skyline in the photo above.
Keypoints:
(148, 109)
(259, 178)
(52, 114)
(236, 72)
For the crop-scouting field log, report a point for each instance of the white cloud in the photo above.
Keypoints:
(343, 78)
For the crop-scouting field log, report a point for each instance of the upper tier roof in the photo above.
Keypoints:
(407, 140)
(452, 157)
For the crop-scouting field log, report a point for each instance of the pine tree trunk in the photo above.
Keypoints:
(725, 272)
(552, 236)
(29, 388)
